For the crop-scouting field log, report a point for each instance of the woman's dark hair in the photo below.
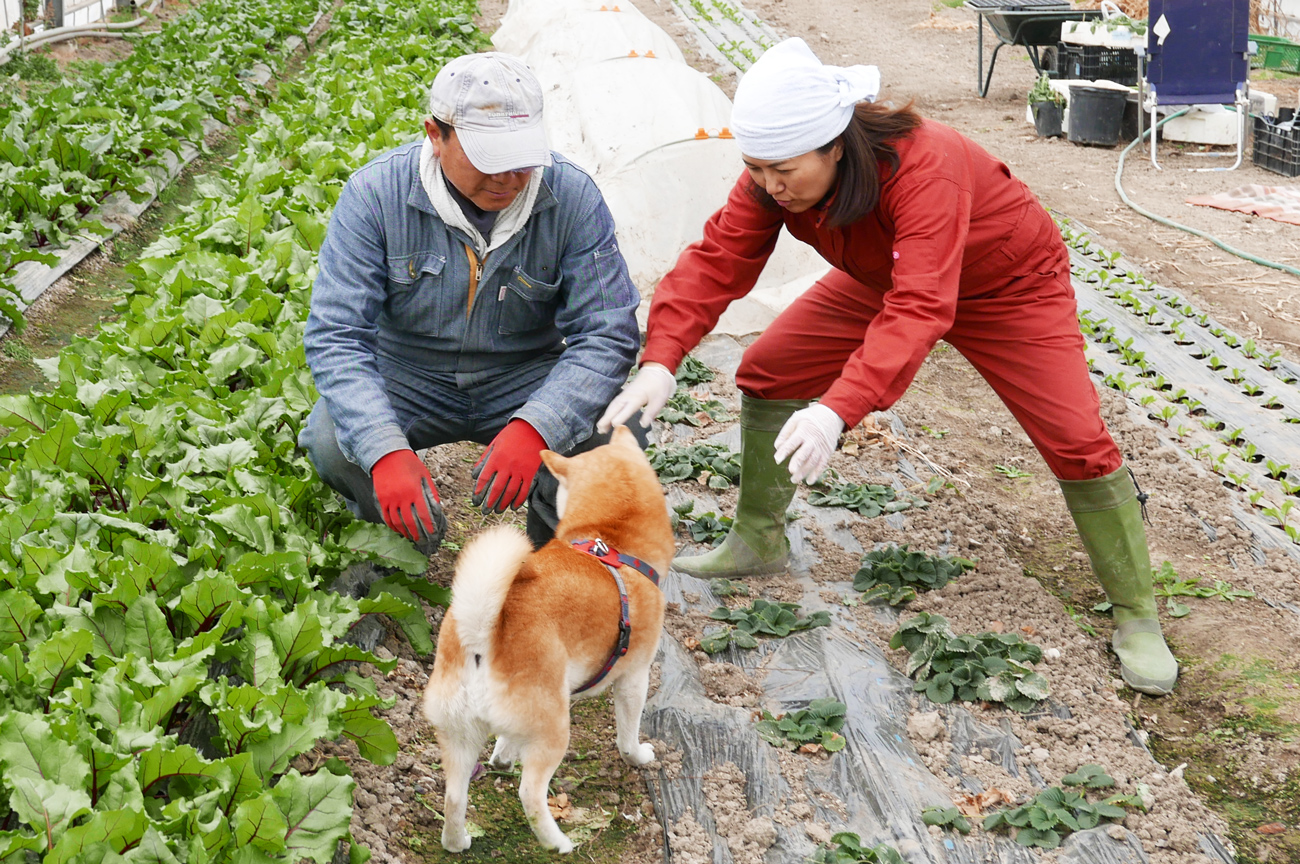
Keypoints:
(869, 152)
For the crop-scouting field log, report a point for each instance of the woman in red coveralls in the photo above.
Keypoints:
(929, 238)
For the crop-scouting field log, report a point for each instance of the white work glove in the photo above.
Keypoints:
(811, 435)
(648, 392)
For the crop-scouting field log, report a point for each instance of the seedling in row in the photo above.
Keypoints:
(1281, 513)
(946, 817)
(1167, 413)
(713, 465)
(702, 527)
(848, 849)
(1057, 812)
(868, 499)
(693, 372)
(728, 588)
(762, 618)
(1011, 471)
(818, 724)
(895, 574)
(993, 667)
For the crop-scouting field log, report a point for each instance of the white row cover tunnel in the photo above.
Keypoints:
(653, 133)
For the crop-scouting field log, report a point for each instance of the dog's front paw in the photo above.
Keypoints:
(642, 754)
(455, 843)
(564, 845)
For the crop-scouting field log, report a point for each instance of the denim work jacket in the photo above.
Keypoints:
(395, 282)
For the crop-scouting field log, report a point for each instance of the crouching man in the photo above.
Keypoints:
(470, 289)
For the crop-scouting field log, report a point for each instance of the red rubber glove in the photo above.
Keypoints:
(508, 466)
(399, 478)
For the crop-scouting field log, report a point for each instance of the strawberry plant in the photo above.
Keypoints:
(1057, 812)
(761, 618)
(818, 724)
(895, 574)
(170, 645)
(702, 527)
(946, 817)
(692, 372)
(848, 849)
(868, 499)
(993, 667)
(728, 587)
(685, 408)
(713, 465)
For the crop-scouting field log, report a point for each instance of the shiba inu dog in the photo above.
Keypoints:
(527, 630)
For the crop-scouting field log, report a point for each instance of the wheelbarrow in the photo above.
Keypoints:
(1030, 23)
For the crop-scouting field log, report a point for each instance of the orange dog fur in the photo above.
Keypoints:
(525, 629)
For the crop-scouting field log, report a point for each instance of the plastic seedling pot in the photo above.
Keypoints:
(1096, 115)
(1047, 118)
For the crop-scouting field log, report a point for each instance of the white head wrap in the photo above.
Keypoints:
(789, 103)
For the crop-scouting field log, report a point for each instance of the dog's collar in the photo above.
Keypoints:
(612, 559)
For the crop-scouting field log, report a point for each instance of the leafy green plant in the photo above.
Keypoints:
(685, 408)
(1056, 812)
(1012, 471)
(1042, 91)
(702, 527)
(989, 666)
(692, 372)
(761, 618)
(31, 67)
(101, 132)
(946, 817)
(167, 548)
(868, 499)
(820, 723)
(895, 574)
(848, 849)
(1078, 618)
(713, 465)
(728, 587)
(1170, 586)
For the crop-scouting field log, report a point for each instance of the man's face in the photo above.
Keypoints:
(488, 191)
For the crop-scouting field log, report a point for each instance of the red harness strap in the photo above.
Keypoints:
(612, 559)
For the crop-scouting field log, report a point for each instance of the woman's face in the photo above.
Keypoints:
(800, 182)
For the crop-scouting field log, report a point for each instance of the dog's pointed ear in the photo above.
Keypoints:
(557, 464)
(624, 438)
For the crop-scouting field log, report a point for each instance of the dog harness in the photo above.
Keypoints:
(613, 559)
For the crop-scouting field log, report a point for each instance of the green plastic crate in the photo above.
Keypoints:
(1275, 53)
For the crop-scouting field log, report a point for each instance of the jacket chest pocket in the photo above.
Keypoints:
(527, 303)
(416, 301)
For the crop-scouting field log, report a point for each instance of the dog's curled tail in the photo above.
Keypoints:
(484, 573)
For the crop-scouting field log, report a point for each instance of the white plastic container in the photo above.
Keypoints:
(1204, 124)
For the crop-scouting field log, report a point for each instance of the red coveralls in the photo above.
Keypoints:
(957, 249)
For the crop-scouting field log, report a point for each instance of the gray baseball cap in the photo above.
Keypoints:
(494, 102)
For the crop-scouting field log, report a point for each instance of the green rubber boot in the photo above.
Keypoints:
(1109, 518)
(756, 544)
